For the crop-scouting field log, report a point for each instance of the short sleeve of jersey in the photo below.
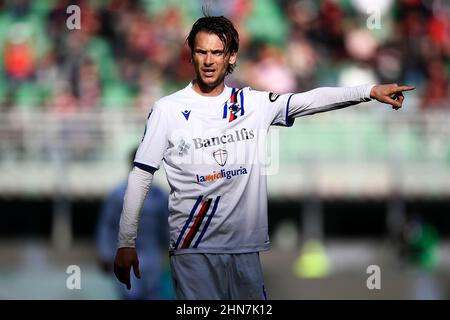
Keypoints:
(155, 142)
(275, 108)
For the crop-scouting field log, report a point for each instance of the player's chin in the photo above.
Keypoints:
(211, 81)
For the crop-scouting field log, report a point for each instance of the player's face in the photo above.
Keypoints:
(210, 61)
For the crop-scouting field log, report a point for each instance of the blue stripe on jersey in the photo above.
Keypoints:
(225, 108)
(144, 167)
(287, 122)
(191, 215)
(207, 222)
(242, 102)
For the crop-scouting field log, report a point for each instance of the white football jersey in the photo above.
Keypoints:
(214, 151)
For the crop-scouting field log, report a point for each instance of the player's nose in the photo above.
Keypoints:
(208, 59)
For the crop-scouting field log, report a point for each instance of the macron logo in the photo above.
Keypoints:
(186, 114)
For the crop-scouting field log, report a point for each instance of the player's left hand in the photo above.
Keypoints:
(390, 93)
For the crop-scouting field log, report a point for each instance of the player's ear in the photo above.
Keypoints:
(233, 57)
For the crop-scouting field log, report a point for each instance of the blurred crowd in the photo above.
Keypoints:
(128, 53)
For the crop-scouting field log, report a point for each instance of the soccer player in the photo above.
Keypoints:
(209, 137)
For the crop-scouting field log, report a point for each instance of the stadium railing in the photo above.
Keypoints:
(350, 154)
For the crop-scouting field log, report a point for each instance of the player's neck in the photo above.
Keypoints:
(208, 91)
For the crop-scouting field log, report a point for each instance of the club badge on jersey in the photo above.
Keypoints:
(234, 107)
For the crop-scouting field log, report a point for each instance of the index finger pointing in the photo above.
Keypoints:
(404, 88)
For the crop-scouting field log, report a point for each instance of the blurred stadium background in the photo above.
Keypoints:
(358, 187)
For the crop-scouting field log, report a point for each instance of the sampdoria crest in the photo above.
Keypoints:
(220, 156)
